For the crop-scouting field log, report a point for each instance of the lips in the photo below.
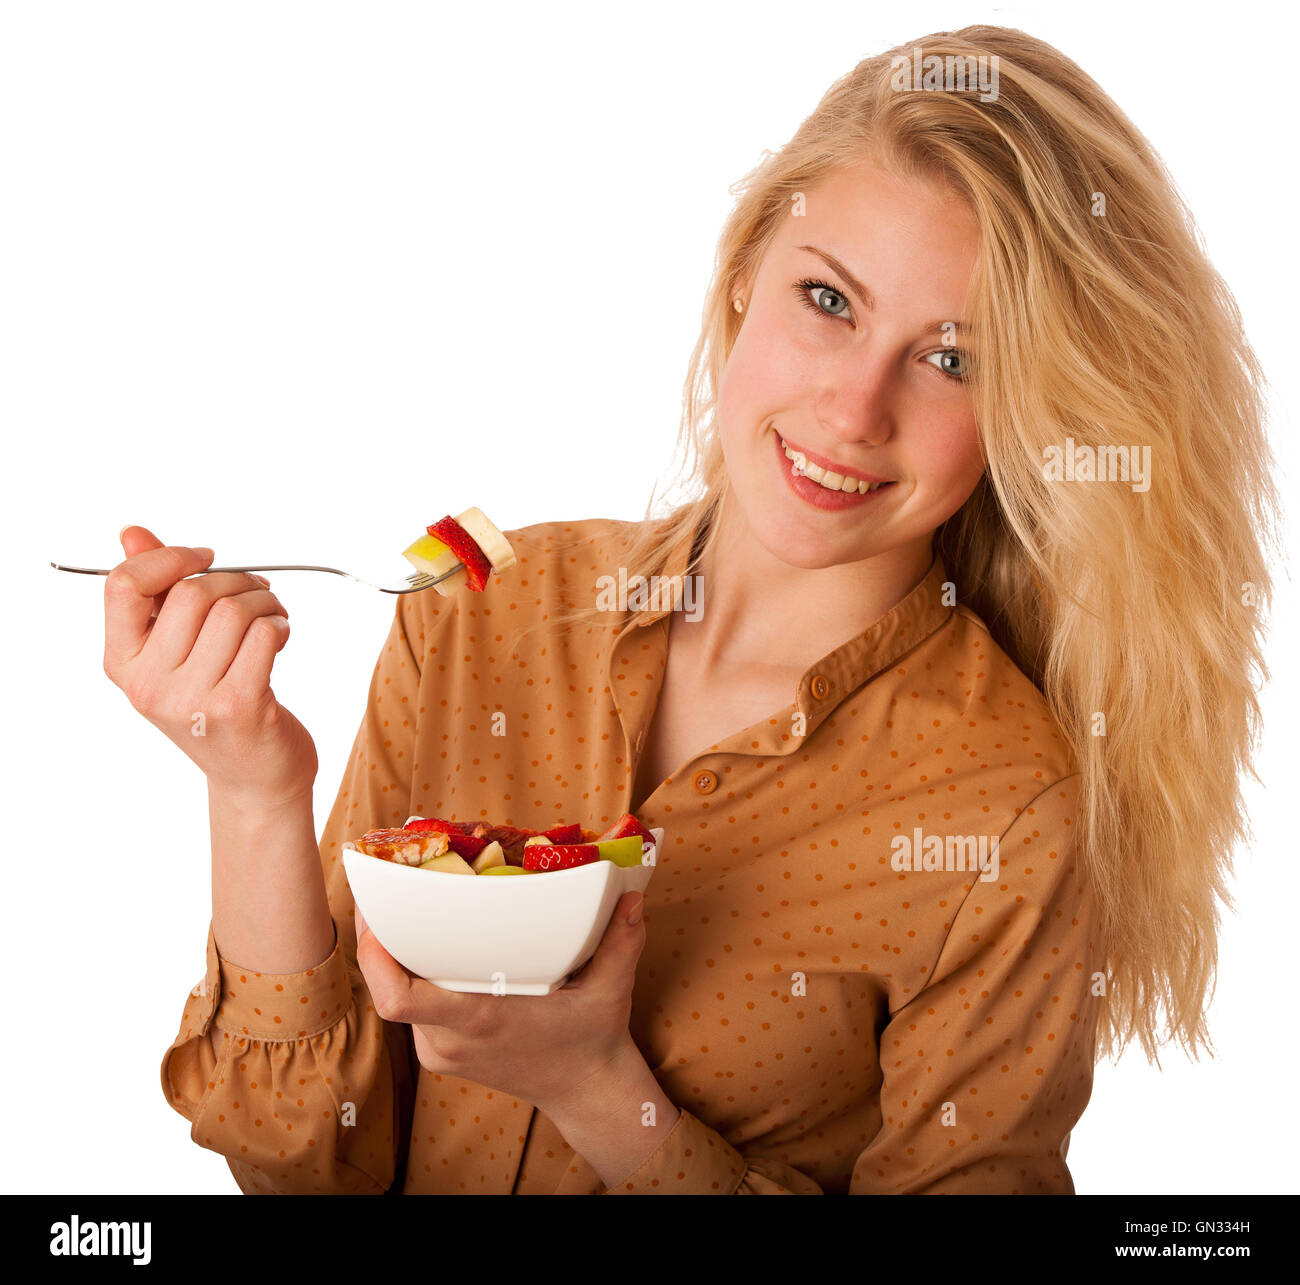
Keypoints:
(812, 492)
(831, 466)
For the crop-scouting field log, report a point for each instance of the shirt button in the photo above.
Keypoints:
(821, 686)
(705, 782)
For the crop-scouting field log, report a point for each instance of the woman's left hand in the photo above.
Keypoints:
(538, 1048)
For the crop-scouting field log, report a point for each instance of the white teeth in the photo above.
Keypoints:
(823, 477)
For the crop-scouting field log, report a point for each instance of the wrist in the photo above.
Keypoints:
(623, 1077)
(256, 805)
(616, 1119)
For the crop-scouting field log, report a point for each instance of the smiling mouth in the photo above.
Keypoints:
(828, 478)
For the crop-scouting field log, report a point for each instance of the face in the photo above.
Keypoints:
(848, 365)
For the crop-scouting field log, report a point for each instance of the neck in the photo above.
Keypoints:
(762, 613)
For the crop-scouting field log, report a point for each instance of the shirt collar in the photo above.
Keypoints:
(886, 640)
(847, 667)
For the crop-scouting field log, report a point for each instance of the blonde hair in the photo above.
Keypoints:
(1105, 329)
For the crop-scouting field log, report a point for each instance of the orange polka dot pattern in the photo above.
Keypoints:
(825, 1020)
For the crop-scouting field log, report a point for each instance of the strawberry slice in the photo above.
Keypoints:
(564, 834)
(461, 543)
(446, 827)
(628, 824)
(560, 856)
(466, 845)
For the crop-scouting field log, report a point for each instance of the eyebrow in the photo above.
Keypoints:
(864, 294)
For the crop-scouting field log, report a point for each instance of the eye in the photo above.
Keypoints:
(822, 299)
(952, 362)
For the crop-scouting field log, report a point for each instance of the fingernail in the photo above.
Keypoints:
(263, 579)
(124, 530)
(634, 916)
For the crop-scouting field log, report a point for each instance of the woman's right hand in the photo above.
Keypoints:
(194, 657)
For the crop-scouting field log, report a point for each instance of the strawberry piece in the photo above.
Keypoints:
(466, 845)
(560, 856)
(461, 543)
(446, 827)
(628, 824)
(564, 834)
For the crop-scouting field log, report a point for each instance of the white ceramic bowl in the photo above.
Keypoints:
(492, 934)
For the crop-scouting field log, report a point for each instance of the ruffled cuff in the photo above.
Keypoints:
(692, 1160)
(279, 1006)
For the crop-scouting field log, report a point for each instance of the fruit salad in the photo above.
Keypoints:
(476, 848)
(468, 542)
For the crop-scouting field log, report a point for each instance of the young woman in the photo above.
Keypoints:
(947, 764)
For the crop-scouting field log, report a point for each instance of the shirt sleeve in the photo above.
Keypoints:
(696, 1160)
(987, 1070)
(313, 1091)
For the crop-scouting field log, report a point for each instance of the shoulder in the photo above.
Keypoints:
(557, 565)
(1006, 713)
(574, 548)
(560, 562)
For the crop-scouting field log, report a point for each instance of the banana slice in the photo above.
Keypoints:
(496, 548)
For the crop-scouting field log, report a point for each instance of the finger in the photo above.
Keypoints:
(136, 539)
(129, 596)
(250, 671)
(194, 627)
(399, 996)
(620, 946)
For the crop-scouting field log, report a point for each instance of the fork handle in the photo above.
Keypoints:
(100, 571)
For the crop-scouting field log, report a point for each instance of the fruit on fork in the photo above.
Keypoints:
(470, 540)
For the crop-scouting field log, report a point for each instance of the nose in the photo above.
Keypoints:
(854, 401)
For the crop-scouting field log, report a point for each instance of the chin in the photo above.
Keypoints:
(797, 546)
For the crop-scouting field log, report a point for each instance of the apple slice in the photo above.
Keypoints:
(626, 851)
(506, 870)
(450, 864)
(492, 855)
(431, 557)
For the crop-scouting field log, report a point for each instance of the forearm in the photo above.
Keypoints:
(269, 908)
(617, 1121)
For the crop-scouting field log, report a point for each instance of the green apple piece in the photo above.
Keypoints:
(451, 864)
(507, 870)
(622, 852)
(538, 840)
(429, 556)
(492, 855)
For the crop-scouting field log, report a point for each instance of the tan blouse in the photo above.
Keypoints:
(833, 992)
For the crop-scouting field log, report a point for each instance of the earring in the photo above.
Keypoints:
(736, 303)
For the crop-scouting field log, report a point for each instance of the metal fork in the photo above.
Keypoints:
(412, 584)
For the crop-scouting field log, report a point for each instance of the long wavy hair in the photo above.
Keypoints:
(1145, 607)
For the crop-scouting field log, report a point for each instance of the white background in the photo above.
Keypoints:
(292, 280)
